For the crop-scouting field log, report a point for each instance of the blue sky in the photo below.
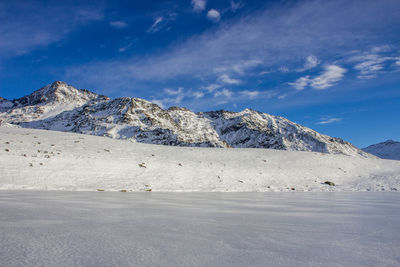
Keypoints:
(333, 66)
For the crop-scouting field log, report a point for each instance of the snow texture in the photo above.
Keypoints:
(61, 107)
(199, 229)
(50, 160)
(386, 150)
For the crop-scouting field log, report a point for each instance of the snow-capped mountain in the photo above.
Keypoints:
(61, 107)
(46, 102)
(386, 150)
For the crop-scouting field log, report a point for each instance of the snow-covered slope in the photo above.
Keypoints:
(386, 150)
(38, 159)
(63, 108)
(46, 102)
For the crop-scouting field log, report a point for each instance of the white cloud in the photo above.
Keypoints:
(370, 66)
(328, 78)
(210, 88)
(311, 62)
(381, 49)
(169, 101)
(250, 94)
(118, 24)
(199, 5)
(264, 72)
(284, 69)
(198, 94)
(158, 102)
(301, 83)
(156, 25)
(224, 92)
(282, 96)
(277, 36)
(226, 79)
(241, 67)
(173, 92)
(331, 120)
(213, 15)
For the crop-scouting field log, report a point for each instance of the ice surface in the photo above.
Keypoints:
(199, 229)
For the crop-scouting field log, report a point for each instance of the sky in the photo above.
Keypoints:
(333, 66)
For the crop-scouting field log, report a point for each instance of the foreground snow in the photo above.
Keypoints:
(199, 229)
(46, 160)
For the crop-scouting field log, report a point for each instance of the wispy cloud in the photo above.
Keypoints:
(369, 65)
(310, 63)
(175, 97)
(214, 15)
(283, 69)
(198, 5)
(301, 83)
(224, 78)
(328, 121)
(26, 25)
(224, 93)
(241, 67)
(162, 23)
(250, 94)
(236, 5)
(156, 25)
(277, 36)
(119, 24)
(178, 91)
(328, 78)
(210, 88)
(198, 94)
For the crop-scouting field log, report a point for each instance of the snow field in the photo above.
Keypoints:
(47, 160)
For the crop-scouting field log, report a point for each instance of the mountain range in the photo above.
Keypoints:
(61, 107)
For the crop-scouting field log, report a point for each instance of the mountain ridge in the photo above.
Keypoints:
(61, 107)
(388, 149)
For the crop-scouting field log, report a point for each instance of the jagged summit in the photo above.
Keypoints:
(57, 92)
(389, 149)
(61, 107)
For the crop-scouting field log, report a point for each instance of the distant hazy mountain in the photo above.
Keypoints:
(386, 150)
(61, 107)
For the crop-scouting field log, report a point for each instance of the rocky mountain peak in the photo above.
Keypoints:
(61, 107)
(59, 92)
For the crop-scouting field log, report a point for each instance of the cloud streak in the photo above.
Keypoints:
(118, 24)
(329, 121)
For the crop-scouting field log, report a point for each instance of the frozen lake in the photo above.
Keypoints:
(199, 229)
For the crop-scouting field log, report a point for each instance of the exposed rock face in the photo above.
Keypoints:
(63, 108)
(386, 150)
